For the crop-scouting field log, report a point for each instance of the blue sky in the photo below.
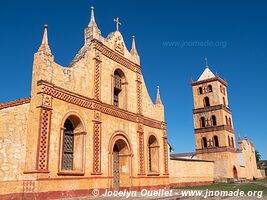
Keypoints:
(172, 39)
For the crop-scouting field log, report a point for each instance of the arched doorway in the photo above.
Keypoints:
(235, 173)
(120, 162)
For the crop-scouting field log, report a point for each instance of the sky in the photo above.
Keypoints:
(172, 39)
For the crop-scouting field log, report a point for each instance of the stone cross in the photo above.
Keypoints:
(117, 23)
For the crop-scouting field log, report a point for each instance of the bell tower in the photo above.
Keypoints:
(213, 125)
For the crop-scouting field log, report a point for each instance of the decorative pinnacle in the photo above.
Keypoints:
(133, 50)
(92, 14)
(45, 37)
(158, 99)
(44, 47)
(117, 23)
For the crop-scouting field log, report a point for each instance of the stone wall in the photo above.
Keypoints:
(190, 172)
(13, 130)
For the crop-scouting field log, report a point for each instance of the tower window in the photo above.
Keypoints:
(230, 122)
(213, 120)
(209, 88)
(204, 142)
(224, 101)
(200, 90)
(202, 122)
(224, 91)
(221, 88)
(226, 120)
(215, 141)
(229, 142)
(206, 102)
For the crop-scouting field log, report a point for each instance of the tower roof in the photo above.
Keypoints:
(207, 74)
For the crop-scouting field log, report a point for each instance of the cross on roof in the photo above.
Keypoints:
(117, 23)
(206, 61)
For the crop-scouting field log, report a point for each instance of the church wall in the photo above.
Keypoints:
(13, 131)
(250, 160)
(243, 172)
(191, 172)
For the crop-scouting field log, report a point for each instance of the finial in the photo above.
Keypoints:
(117, 23)
(44, 47)
(158, 99)
(92, 14)
(45, 37)
(133, 50)
(206, 62)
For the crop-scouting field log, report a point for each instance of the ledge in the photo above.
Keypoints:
(153, 174)
(70, 173)
(212, 108)
(191, 160)
(213, 128)
(216, 149)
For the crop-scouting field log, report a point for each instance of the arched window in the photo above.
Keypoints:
(209, 88)
(226, 120)
(204, 142)
(72, 145)
(153, 154)
(224, 90)
(221, 88)
(233, 144)
(206, 102)
(213, 120)
(200, 90)
(230, 122)
(202, 122)
(119, 89)
(224, 101)
(229, 142)
(68, 146)
(215, 141)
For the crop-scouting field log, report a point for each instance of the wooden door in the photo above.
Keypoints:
(116, 170)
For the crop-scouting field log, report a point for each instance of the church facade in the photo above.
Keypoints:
(92, 125)
(92, 119)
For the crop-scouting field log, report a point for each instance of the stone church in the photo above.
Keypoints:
(93, 125)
